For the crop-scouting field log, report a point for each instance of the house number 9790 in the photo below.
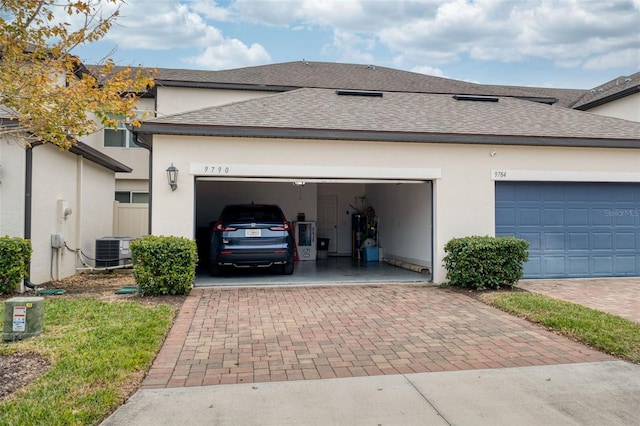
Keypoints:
(216, 169)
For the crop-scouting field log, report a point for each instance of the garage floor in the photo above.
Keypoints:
(338, 270)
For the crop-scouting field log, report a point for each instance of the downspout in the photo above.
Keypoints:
(150, 189)
(28, 186)
(79, 204)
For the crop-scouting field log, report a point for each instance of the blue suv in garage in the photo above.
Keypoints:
(252, 236)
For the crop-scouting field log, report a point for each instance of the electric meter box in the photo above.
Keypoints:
(23, 318)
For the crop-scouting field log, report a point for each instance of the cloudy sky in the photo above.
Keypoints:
(559, 43)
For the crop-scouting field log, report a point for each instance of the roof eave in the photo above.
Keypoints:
(610, 98)
(230, 86)
(147, 130)
(92, 154)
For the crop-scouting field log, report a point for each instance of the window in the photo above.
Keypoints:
(121, 137)
(132, 197)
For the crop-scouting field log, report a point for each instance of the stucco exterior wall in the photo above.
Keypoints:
(96, 206)
(627, 108)
(172, 100)
(54, 189)
(63, 180)
(12, 179)
(136, 158)
(463, 195)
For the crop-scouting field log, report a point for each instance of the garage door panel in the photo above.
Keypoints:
(602, 265)
(625, 241)
(533, 268)
(577, 266)
(601, 241)
(578, 241)
(554, 241)
(534, 239)
(625, 220)
(554, 265)
(575, 229)
(529, 216)
(577, 216)
(506, 216)
(600, 217)
(626, 264)
(553, 217)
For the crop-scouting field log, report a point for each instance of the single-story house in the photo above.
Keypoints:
(436, 159)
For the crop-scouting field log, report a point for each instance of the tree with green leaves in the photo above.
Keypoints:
(46, 94)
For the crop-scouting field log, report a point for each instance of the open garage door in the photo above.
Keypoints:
(575, 229)
(403, 207)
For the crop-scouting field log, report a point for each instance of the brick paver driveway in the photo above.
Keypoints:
(241, 335)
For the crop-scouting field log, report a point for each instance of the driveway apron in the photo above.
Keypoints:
(269, 334)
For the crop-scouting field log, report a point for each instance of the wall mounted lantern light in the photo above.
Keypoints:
(172, 177)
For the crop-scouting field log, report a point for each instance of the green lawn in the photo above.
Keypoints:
(99, 352)
(605, 332)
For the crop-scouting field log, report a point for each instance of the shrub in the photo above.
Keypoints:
(485, 262)
(15, 255)
(164, 265)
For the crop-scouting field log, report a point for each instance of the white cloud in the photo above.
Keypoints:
(161, 26)
(210, 10)
(426, 69)
(624, 58)
(566, 32)
(231, 54)
(168, 27)
(352, 48)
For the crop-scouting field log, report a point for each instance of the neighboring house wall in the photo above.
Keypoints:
(627, 108)
(64, 180)
(12, 179)
(463, 195)
(172, 100)
(54, 189)
(96, 207)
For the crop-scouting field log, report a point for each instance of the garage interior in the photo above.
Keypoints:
(394, 215)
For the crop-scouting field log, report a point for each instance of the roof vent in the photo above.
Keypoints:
(359, 93)
(475, 98)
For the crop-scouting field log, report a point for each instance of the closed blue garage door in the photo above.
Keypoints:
(575, 229)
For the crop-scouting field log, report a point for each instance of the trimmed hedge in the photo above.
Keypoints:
(164, 265)
(485, 262)
(15, 255)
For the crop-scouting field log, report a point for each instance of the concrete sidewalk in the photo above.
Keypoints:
(601, 393)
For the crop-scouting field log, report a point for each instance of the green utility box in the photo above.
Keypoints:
(23, 317)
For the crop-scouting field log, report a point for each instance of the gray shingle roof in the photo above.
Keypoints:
(306, 111)
(609, 91)
(350, 76)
